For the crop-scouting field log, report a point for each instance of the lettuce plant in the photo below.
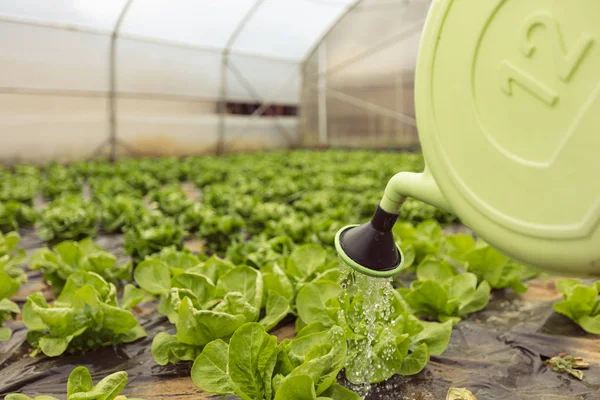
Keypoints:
(142, 181)
(70, 256)
(487, 263)
(60, 181)
(85, 316)
(8, 309)
(313, 202)
(103, 188)
(192, 217)
(260, 250)
(401, 343)
(145, 239)
(19, 187)
(416, 211)
(580, 304)
(81, 387)
(165, 169)
(263, 212)
(11, 278)
(171, 200)
(325, 230)
(418, 242)
(443, 294)
(15, 215)
(309, 263)
(219, 229)
(12, 256)
(178, 260)
(67, 217)
(120, 212)
(205, 302)
(253, 366)
(298, 226)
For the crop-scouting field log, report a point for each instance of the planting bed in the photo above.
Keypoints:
(232, 207)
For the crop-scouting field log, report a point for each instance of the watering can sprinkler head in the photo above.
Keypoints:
(370, 248)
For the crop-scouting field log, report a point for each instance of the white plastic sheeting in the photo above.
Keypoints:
(161, 36)
(358, 83)
(175, 61)
(96, 14)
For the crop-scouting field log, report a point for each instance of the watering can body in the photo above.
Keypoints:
(507, 97)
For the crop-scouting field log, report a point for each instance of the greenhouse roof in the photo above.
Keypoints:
(282, 29)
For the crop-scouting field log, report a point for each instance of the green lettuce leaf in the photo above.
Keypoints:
(580, 304)
(277, 308)
(210, 371)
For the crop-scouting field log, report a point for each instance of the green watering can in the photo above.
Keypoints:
(507, 97)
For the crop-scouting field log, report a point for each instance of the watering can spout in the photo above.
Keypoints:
(370, 248)
(420, 186)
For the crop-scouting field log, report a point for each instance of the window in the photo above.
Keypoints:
(273, 110)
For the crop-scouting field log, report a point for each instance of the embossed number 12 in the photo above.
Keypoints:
(565, 61)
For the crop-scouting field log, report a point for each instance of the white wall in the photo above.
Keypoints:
(37, 128)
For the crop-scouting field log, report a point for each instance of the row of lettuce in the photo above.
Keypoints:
(307, 196)
(222, 311)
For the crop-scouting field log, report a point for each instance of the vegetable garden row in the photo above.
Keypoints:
(226, 251)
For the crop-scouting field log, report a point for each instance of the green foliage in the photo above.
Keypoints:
(142, 181)
(21, 186)
(487, 263)
(81, 387)
(441, 293)
(68, 217)
(171, 200)
(416, 211)
(15, 215)
(192, 217)
(12, 256)
(105, 188)
(70, 256)
(206, 301)
(219, 230)
(7, 310)
(60, 181)
(401, 343)
(145, 239)
(260, 250)
(426, 241)
(11, 278)
(85, 316)
(418, 241)
(253, 366)
(297, 226)
(120, 212)
(580, 304)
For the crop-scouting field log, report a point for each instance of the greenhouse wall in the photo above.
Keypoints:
(81, 77)
(358, 81)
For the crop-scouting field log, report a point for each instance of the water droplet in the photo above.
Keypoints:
(366, 309)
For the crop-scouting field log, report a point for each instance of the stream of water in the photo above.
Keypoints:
(366, 308)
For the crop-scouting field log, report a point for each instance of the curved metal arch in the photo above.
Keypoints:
(225, 67)
(113, 142)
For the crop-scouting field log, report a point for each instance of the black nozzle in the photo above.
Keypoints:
(372, 245)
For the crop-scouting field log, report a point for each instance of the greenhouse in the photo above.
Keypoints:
(299, 199)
